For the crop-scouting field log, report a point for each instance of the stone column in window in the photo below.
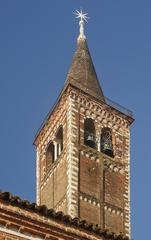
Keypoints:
(56, 155)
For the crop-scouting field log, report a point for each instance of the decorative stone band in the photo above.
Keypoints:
(89, 107)
(113, 209)
(127, 202)
(89, 199)
(51, 121)
(90, 153)
(114, 167)
(37, 177)
(110, 164)
(72, 160)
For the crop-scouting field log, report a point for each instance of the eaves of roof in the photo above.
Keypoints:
(8, 198)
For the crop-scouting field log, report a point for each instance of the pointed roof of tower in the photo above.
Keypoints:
(82, 73)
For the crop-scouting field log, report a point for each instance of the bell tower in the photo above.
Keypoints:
(83, 149)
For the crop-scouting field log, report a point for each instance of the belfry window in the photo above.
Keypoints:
(49, 156)
(89, 133)
(59, 141)
(106, 142)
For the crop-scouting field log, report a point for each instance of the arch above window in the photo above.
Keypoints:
(89, 133)
(107, 141)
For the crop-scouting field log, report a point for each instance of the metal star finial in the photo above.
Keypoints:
(83, 18)
(81, 15)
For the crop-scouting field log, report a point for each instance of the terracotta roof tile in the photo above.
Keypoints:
(8, 198)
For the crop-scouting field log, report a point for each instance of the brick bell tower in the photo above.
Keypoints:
(83, 150)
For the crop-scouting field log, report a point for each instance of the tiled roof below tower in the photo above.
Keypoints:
(20, 219)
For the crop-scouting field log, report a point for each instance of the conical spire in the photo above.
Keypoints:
(82, 72)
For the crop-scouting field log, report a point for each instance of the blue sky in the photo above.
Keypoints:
(37, 41)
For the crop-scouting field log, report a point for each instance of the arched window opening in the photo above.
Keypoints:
(106, 142)
(49, 156)
(89, 133)
(59, 141)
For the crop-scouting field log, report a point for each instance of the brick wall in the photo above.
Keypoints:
(104, 181)
(52, 184)
(89, 212)
(114, 222)
(114, 188)
(87, 182)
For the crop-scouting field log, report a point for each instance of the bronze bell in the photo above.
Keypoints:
(90, 138)
(107, 147)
